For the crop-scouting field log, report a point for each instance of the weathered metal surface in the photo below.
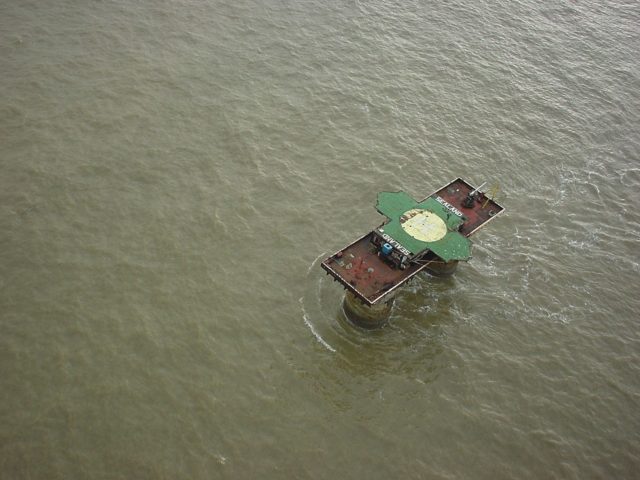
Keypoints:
(476, 217)
(363, 272)
(370, 278)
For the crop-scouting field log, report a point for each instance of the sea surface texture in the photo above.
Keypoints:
(172, 173)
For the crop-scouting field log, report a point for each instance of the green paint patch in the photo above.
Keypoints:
(399, 207)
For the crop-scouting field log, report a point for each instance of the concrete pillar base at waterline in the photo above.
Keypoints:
(442, 269)
(366, 316)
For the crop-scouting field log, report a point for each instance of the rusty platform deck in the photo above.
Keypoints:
(360, 269)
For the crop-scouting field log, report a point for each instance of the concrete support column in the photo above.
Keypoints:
(439, 268)
(366, 316)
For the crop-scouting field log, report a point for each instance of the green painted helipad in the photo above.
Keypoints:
(426, 225)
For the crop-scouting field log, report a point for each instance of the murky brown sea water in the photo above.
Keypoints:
(172, 172)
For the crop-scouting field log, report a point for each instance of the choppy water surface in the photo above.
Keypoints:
(172, 172)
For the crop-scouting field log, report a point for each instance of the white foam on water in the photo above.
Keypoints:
(315, 333)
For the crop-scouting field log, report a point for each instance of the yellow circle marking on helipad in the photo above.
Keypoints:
(423, 225)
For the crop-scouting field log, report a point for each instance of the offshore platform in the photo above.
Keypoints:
(430, 235)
